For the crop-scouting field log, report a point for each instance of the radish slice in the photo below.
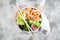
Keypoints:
(33, 28)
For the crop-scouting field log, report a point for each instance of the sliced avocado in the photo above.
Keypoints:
(36, 24)
(19, 20)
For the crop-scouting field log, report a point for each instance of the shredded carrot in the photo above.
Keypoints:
(32, 14)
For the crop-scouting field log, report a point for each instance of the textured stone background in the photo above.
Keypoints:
(10, 31)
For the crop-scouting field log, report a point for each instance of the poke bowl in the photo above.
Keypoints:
(28, 19)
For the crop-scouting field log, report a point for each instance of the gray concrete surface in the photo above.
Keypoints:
(10, 31)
